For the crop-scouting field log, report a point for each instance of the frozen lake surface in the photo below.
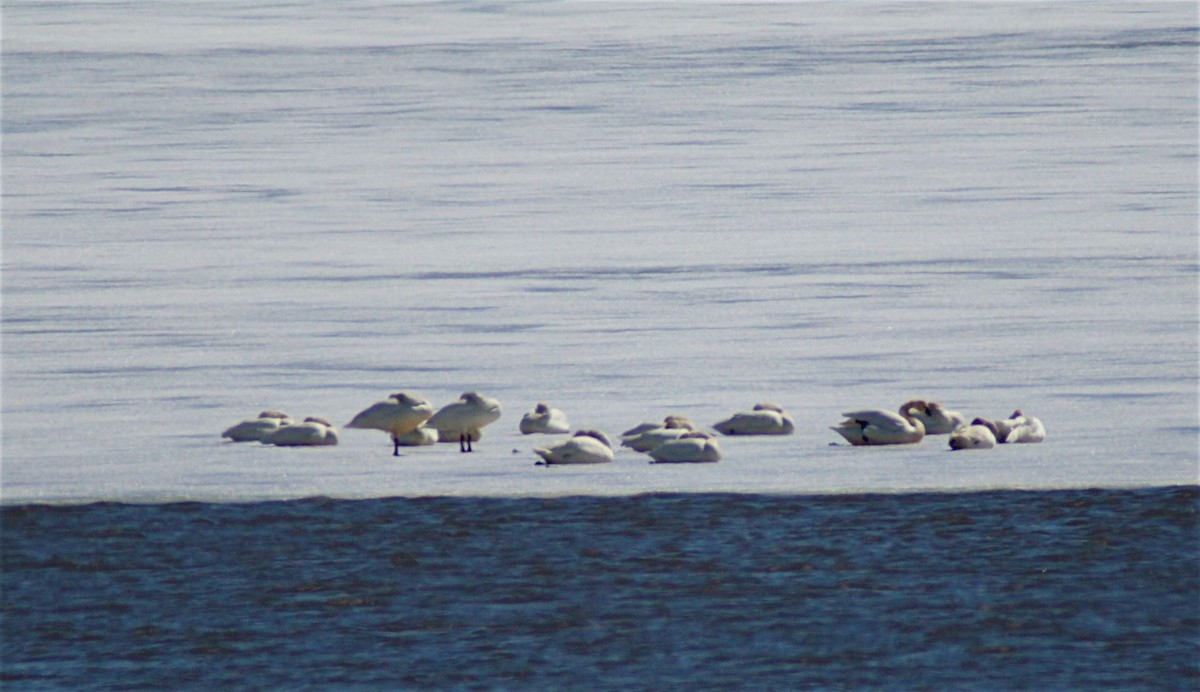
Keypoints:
(624, 210)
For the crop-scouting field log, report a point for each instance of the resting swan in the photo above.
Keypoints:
(463, 420)
(398, 415)
(692, 448)
(313, 432)
(765, 419)
(879, 427)
(936, 419)
(1030, 430)
(672, 428)
(980, 434)
(544, 419)
(253, 429)
(585, 447)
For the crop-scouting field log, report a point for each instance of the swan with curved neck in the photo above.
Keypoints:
(871, 427)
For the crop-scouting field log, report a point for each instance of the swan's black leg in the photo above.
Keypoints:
(396, 448)
(462, 443)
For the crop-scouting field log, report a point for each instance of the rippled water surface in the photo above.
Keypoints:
(996, 590)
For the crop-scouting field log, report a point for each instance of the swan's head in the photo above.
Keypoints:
(1016, 414)
(541, 409)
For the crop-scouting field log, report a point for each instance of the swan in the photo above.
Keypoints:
(253, 429)
(544, 419)
(879, 427)
(936, 419)
(1006, 425)
(1028, 431)
(672, 428)
(980, 434)
(765, 419)
(313, 432)
(420, 437)
(668, 422)
(463, 419)
(692, 448)
(399, 414)
(585, 447)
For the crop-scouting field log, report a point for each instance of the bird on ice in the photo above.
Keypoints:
(253, 429)
(399, 415)
(464, 419)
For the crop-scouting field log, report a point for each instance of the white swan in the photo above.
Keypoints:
(421, 437)
(253, 429)
(1020, 429)
(313, 432)
(879, 427)
(464, 419)
(668, 422)
(1006, 425)
(936, 419)
(672, 428)
(693, 448)
(1029, 431)
(585, 447)
(544, 419)
(398, 415)
(765, 419)
(980, 434)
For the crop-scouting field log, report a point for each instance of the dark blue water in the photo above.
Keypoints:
(1062, 589)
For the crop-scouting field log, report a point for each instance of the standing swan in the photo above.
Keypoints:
(544, 419)
(252, 430)
(980, 434)
(585, 447)
(463, 419)
(765, 419)
(879, 427)
(399, 415)
(693, 448)
(313, 432)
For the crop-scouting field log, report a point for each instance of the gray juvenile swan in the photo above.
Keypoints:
(398, 415)
(464, 419)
